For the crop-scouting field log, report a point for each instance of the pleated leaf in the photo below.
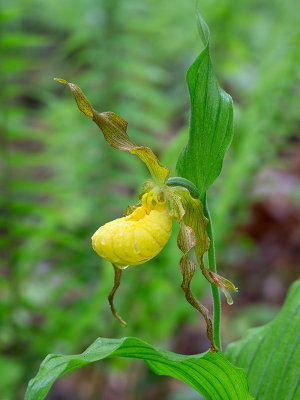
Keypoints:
(211, 124)
(209, 373)
(270, 354)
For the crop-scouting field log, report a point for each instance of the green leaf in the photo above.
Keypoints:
(208, 373)
(211, 125)
(270, 354)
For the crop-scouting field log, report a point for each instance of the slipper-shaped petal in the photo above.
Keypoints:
(138, 237)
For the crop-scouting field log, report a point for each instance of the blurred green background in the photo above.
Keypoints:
(60, 181)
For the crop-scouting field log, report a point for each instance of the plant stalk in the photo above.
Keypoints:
(214, 288)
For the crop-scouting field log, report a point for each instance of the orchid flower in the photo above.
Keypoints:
(146, 227)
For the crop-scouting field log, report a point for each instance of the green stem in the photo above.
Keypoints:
(213, 268)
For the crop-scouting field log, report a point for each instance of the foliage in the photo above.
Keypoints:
(270, 354)
(204, 372)
(52, 193)
(211, 125)
(130, 57)
(192, 233)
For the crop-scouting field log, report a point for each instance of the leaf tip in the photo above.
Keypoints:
(202, 27)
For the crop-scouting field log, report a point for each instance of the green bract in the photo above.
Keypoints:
(211, 125)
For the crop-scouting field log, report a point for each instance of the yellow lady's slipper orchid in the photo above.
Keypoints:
(145, 229)
(138, 237)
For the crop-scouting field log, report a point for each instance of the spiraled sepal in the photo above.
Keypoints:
(114, 129)
(186, 241)
(117, 281)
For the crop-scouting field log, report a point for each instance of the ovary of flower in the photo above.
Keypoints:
(138, 237)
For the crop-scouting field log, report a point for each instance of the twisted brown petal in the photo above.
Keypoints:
(117, 281)
(186, 241)
(114, 129)
(194, 217)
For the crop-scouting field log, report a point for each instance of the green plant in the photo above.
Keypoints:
(211, 132)
(49, 193)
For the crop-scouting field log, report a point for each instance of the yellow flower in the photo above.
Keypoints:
(138, 237)
(146, 227)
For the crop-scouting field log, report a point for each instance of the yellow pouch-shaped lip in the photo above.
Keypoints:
(137, 238)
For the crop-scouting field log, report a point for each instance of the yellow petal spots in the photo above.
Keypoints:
(138, 237)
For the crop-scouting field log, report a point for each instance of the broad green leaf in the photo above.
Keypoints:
(211, 125)
(114, 129)
(270, 354)
(209, 373)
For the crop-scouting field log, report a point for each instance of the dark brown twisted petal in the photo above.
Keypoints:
(195, 218)
(117, 281)
(186, 241)
(191, 234)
